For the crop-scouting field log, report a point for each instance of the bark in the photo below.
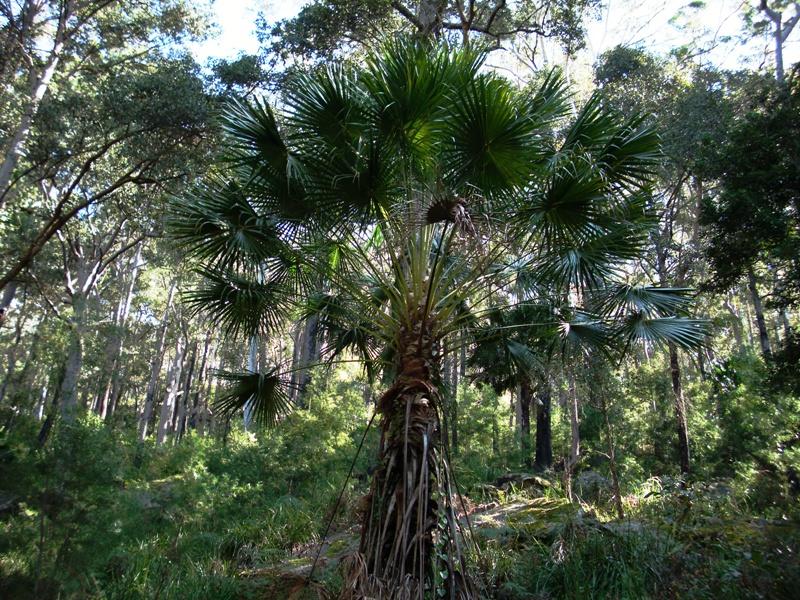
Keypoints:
(252, 367)
(781, 31)
(155, 367)
(310, 356)
(24, 381)
(297, 339)
(544, 434)
(166, 423)
(524, 400)
(74, 362)
(736, 322)
(5, 302)
(11, 357)
(115, 342)
(761, 323)
(680, 410)
(575, 438)
(408, 512)
(39, 84)
(452, 416)
(612, 458)
(180, 423)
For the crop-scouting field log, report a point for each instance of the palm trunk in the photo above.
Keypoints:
(410, 538)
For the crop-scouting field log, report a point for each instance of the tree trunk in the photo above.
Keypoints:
(575, 438)
(155, 367)
(11, 357)
(309, 356)
(524, 400)
(680, 410)
(166, 423)
(180, 424)
(761, 323)
(252, 367)
(38, 87)
(544, 434)
(409, 537)
(612, 458)
(8, 297)
(115, 343)
(72, 367)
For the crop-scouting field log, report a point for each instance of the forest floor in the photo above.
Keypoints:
(99, 516)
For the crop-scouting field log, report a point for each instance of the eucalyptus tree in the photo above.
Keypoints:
(324, 27)
(413, 185)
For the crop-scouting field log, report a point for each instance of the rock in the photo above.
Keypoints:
(592, 487)
(524, 481)
(9, 503)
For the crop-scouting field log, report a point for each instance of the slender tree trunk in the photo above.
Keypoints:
(761, 323)
(612, 458)
(11, 357)
(72, 367)
(452, 414)
(310, 355)
(155, 367)
(166, 423)
(40, 82)
(180, 425)
(297, 352)
(575, 438)
(115, 343)
(525, 397)
(544, 435)
(252, 367)
(680, 410)
(736, 322)
(7, 298)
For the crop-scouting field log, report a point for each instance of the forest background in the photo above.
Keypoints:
(666, 466)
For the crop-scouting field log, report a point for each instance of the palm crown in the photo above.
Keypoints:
(405, 200)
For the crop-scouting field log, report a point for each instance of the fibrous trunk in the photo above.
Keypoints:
(410, 539)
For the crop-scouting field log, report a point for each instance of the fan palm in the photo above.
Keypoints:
(413, 186)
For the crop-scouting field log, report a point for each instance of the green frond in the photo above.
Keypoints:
(264, 394)
(618, 300)
(686, 333)
(216, 224)
(491, 137)
(238, 304)
(582, 332)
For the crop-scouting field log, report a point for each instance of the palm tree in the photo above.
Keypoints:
(413, 186)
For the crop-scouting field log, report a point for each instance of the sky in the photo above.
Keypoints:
(646, 23)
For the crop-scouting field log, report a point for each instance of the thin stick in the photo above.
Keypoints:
(339, 500)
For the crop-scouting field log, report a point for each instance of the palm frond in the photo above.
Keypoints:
(265, 395)
(689, 334)
(617, 300)
(491, 137)
(239, 304)
(216, 224)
